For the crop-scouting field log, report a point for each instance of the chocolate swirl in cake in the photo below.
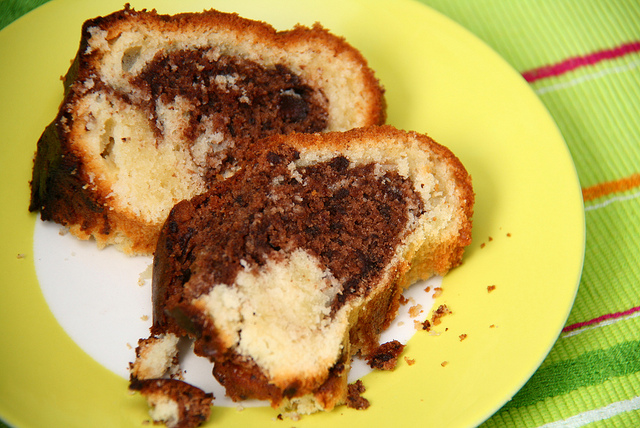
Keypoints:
(349, 217)
(241, 99)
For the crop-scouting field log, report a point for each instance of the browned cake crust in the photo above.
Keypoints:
(367, 211)
(156, 107)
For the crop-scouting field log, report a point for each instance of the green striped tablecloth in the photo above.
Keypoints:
(582, 57)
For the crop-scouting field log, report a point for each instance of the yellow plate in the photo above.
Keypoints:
(528, 227)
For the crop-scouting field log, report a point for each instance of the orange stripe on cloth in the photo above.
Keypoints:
(602, 189)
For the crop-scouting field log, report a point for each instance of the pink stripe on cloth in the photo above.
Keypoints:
(600, 319)
(580, 61)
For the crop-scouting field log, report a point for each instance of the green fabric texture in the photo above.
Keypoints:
(588, 369)
(591, 377)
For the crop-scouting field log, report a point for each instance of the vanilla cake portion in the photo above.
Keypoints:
(156, 357)
(286, 270)
(158, 107)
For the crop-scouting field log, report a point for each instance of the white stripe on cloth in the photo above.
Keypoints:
(596, 415)
(612, 200)
(578, 80)
(598, 325)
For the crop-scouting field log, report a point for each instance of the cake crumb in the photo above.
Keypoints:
(295, 416)
(490, 239)
(482, 245)
(21, 256)
(400, 323)
(420, 325)
(490, 288)
(437, 292)
(144, 317)
(416, 310)
(444, 363)
(439, 313)
(385, 356)
(426, 325)
(145, 275)
(410, 361)
(174, 402)
(427, 289)
(492, 326)
(403, 300)
(508, 235)
(463, 336)
(354, 397)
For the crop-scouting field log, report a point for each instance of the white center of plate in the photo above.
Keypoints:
(102, 299)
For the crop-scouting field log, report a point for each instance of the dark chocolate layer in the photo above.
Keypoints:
(240, 98)
(346, 215)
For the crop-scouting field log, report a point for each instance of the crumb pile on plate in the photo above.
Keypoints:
(158, 107)
(280, 287)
